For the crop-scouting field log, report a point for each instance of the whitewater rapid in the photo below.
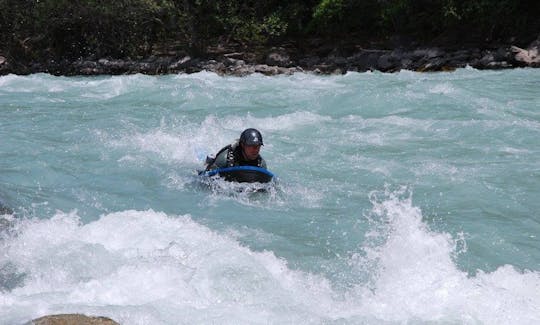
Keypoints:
(401, 198)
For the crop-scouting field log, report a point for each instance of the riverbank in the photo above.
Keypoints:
(288, 60)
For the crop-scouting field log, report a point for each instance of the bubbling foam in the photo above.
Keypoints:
(414, 275)
(175, 270)
(164, 264)
(144, 266)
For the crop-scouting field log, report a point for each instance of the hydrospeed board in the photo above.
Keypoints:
(241, 174)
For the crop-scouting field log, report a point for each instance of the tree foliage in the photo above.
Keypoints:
(34, 29)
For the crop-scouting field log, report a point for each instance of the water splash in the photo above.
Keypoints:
(414, 276)
(162, 263)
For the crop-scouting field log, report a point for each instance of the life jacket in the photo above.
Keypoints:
(234, 155)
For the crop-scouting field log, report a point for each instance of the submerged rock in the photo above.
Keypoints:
(71, 319)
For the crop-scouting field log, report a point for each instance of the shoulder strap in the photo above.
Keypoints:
(230, 157)
(231, 160)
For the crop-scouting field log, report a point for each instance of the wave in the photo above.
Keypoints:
(141, 267)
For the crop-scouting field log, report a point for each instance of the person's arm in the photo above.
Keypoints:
(220, 161)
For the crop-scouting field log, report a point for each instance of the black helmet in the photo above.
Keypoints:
(251, 137)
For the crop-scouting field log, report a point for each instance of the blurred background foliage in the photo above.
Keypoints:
(37, 29)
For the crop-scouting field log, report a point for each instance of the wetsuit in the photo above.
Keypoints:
(231, 155)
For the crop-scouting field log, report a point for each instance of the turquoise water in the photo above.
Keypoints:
(401, 198)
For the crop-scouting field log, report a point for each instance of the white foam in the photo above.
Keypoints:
(282, 122)
(192, 142)
(105, 88)
(144, 266)
(442, 88)
(151, 260)
(416, 276)
(515, 151)
(28, 84)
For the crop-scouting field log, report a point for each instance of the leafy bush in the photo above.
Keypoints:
(40, 29)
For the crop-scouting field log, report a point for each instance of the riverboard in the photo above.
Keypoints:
(241, 174)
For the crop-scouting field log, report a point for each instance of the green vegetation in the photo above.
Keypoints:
(68, 29)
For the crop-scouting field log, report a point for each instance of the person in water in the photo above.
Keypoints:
(243, 152)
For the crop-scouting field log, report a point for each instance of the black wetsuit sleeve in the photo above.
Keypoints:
(221, 159)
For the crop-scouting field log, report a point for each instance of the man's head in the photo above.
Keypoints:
(251, 141)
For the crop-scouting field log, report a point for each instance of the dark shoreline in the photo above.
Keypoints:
(286, 60)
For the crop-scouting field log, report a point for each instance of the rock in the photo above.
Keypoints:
(434, 53)
(288, 71)
(530, 55)
(365, 59)
(502, 54)
(486, 60)
(142, 67)
(181, 63)
(459, 58)
(428, 53)
(163, 63)
(103, 61)
(310, 61)
(266, 70)
(213, 66)
(407, 63)
(117, 66)
(493, 60)
(88, 64)
(278, 58)
(4, 65)
(230, 62)
(71, 319)
(437, 64)
(324, 68)
(234, 55)
(85, 67)
(339, 71)
(337, 60)
(241, 71)
(387, 62)
(499, 65)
